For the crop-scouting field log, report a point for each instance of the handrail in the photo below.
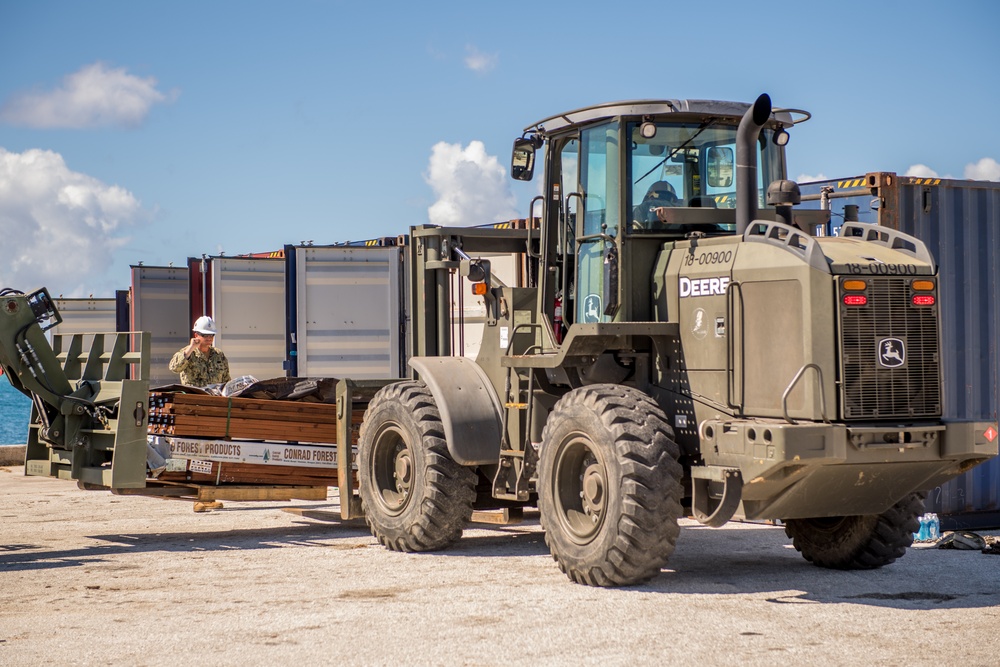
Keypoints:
(888, 237)
(531, 216)
(731, 289)
(790, 238)
(795, 381)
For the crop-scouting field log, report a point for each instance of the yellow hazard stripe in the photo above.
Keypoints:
(852, 183)
(925, 181)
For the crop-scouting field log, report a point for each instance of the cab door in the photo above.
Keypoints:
(598, 227)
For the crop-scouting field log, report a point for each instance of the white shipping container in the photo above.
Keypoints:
(160, 306)
(85, 316)
(349, 301)
(248, 297)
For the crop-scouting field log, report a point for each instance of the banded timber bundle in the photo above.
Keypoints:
(205, 416)
(245, 425)
(218, 472)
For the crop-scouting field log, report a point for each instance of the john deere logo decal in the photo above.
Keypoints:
(891, 353)
(592, 308)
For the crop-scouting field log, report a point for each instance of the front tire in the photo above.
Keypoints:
(858, 542)
(414, 496)
(609, 486)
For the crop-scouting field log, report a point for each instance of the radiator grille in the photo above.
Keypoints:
(869, 389)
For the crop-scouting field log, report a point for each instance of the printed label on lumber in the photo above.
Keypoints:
(260, 453)
(197, 465)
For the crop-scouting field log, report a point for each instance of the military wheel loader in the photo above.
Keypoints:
(681, 345)
(680, 341)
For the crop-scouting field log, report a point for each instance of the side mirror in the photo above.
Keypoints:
(522, 162)
(720, 166)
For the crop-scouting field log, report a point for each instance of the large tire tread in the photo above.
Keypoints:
(442, 505)
(644, 534)
(858, 542)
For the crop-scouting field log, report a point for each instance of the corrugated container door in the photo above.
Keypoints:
(160, 306)
(348, 312)
(248, 295)
(960, 222)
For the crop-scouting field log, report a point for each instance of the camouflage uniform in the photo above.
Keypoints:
(200, 370)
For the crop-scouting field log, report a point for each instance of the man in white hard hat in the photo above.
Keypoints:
(200, 363)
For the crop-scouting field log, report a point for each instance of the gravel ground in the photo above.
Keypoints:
(90, 578)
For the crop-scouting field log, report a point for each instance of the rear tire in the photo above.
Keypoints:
(858, 542)
(414, 496)
(609, 486)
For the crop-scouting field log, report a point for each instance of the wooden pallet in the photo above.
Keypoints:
(207, 493)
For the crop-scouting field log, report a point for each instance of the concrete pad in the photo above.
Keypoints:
(12, 455)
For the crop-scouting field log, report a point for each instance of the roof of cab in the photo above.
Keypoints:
(599, 112)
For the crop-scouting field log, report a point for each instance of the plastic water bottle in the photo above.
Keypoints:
(922, 534)
(934, 527)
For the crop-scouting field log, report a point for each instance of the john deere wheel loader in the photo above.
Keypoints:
(680, 346)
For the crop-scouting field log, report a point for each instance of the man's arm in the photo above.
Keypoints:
(179, 362)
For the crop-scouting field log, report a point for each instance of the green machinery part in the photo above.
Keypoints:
(89, 391)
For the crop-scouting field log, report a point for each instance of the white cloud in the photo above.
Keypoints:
(478, 61)
(986, 169)
(60, 228)
(921, 171)
(471, 186)
(92, 97)
(806, 178)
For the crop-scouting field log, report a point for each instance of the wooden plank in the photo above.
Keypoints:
(502, 517)
(322, 515)
(252, 473)
(260, 493)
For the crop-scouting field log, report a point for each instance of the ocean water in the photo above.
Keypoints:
(14, 409)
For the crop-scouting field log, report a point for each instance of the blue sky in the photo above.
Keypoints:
(155, 131)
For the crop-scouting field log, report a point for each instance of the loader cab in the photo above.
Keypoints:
(623, 179)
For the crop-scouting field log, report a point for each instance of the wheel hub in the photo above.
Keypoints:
(593, 490)
(392, 469)
(404, 472)
(581, 489)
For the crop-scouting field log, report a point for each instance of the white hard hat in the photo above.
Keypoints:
(204, 325)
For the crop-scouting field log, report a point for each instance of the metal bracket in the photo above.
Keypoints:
(715, 511)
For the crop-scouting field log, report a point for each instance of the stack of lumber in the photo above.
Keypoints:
(249, 473)
(204, 416)
(211, 418)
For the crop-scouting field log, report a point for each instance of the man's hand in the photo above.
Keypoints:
(192, 346)
(662, 213)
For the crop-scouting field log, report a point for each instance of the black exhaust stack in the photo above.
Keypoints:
(746, 161)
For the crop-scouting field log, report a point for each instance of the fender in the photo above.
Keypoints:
(470, 409)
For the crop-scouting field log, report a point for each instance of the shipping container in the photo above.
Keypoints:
(346, 308)
(959, 220)
(86, 316)
(345, 312)
(248, 295)
(161, 305)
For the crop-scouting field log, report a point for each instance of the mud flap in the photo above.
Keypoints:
(711, 506)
